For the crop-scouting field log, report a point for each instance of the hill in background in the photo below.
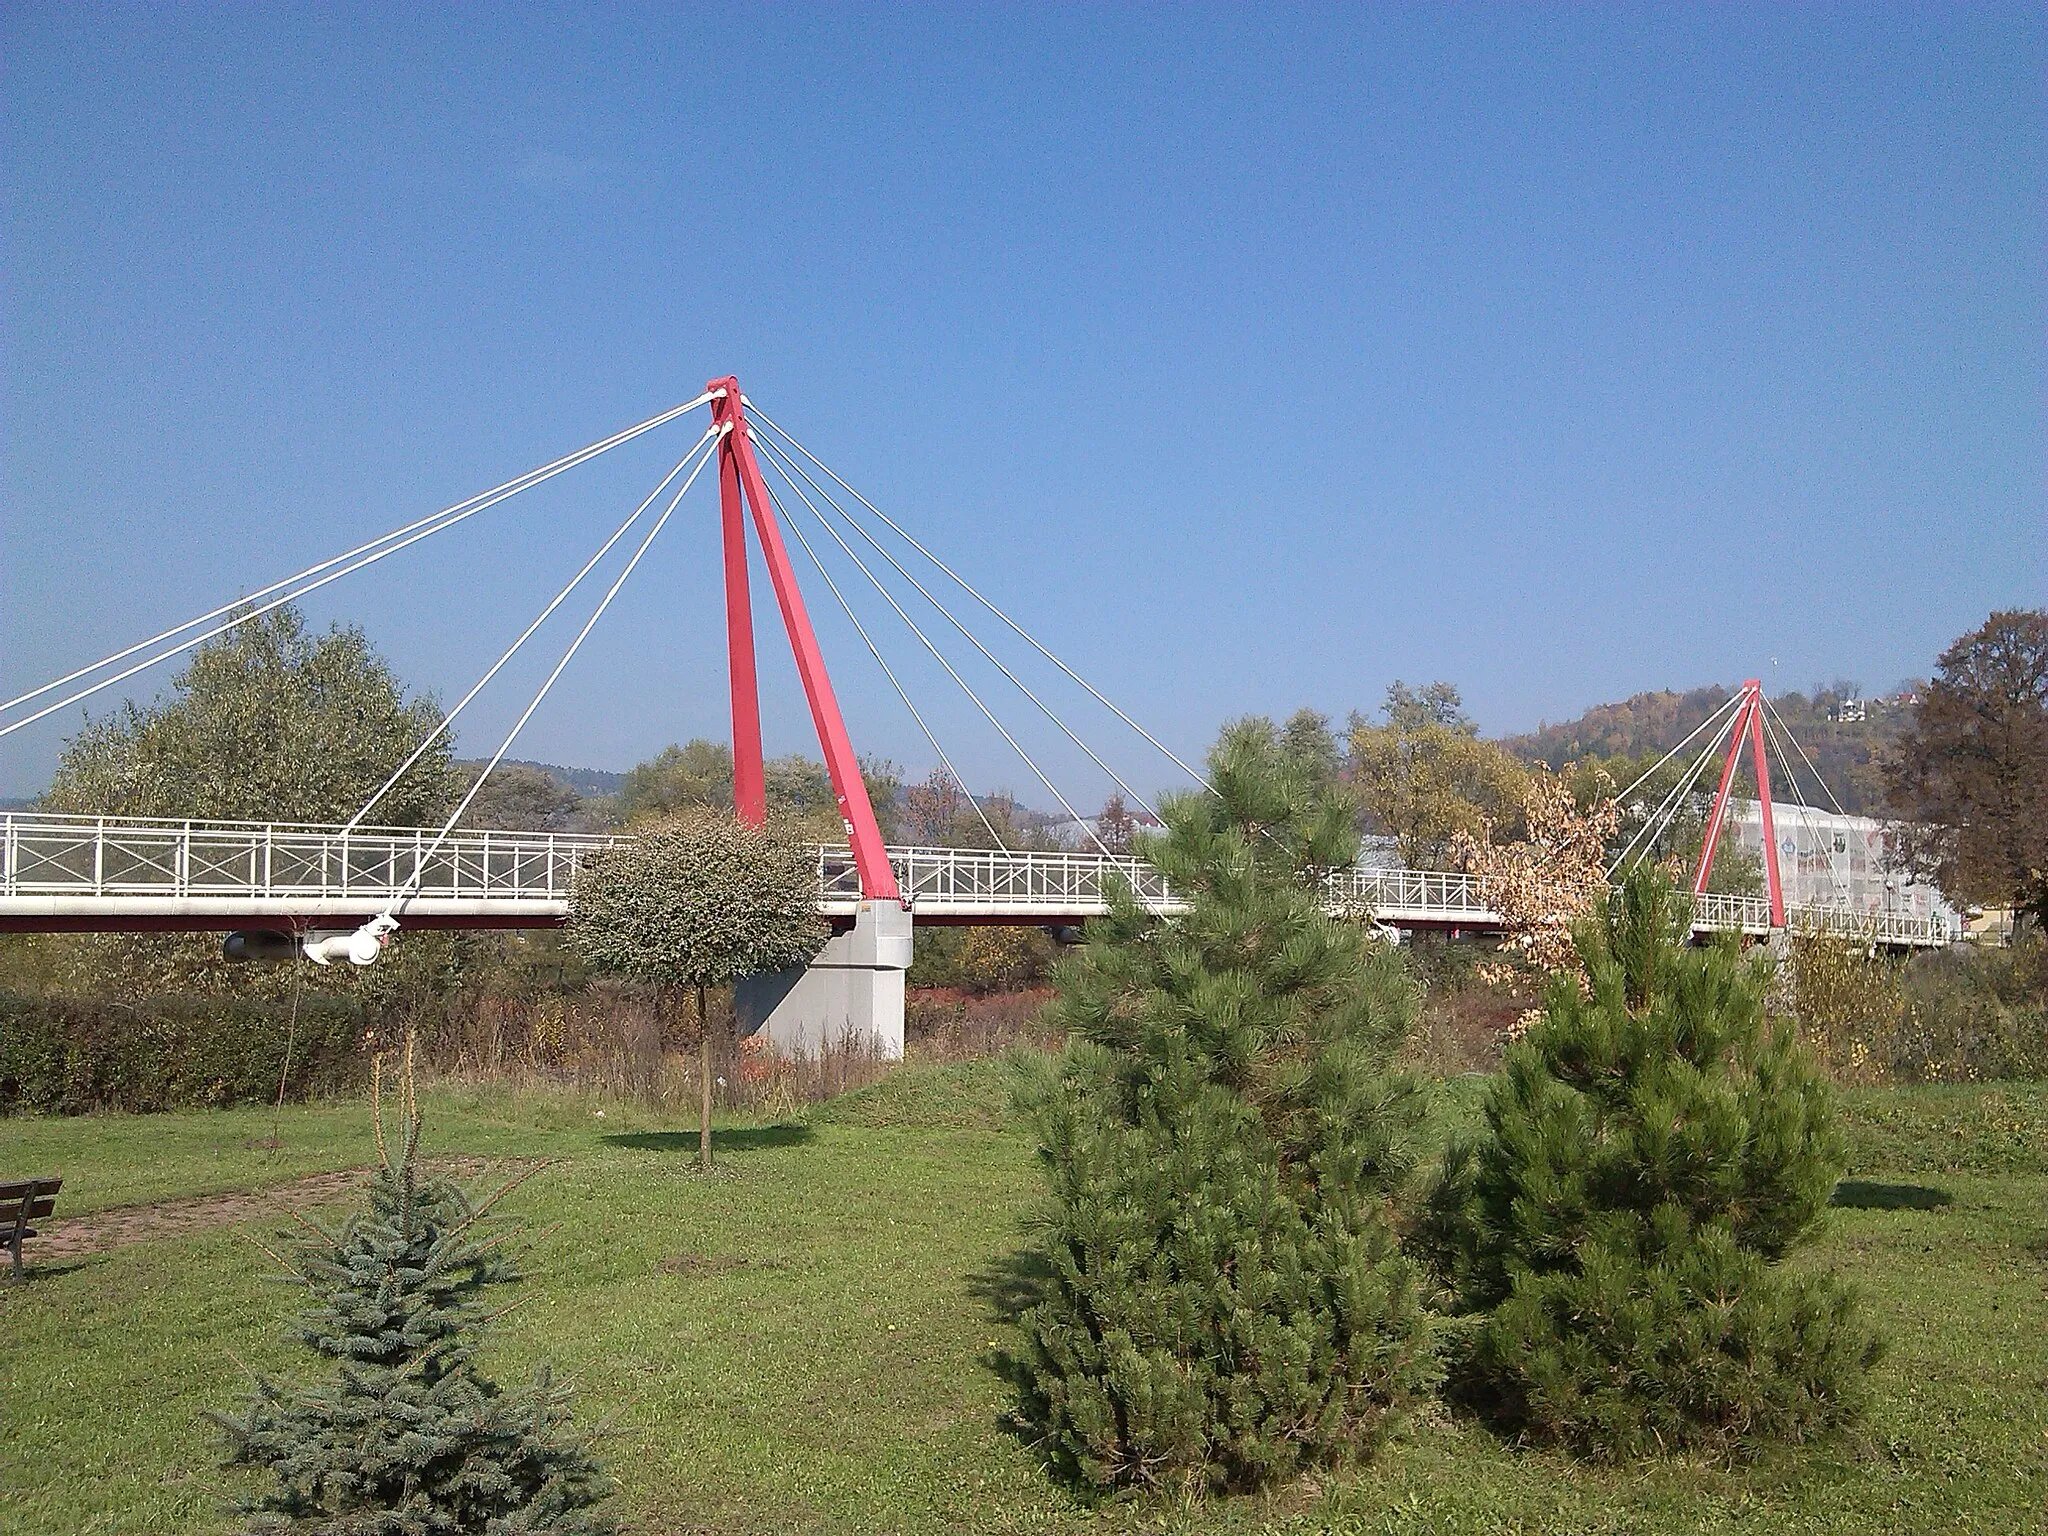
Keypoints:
(1844, 734)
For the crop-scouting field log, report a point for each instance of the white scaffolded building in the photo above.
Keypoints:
(1841, 862)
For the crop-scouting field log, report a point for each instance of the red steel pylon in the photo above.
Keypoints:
(1749, 718)
(738, 474)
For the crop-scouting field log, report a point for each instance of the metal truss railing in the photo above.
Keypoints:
(127, 857)
(1443, 895)
(965, 881)
(125, 863)
(1752, 914)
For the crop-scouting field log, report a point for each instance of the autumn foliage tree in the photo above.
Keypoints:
(1116, 827)
(1973, 766)
(1424, 776)
(1549, 880)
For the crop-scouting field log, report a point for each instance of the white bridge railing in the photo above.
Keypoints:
(200, 865)
(76, 871)
(1752, 914)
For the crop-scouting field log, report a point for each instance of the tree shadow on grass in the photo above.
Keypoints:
(1865, 1195)
(1008, 1287)
(1011, 1284)
(731, 1138)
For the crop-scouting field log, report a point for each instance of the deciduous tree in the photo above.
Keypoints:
(517, 798)
(1426, 778)
(698, 900)
(1116, 826)
(693, 777)
(1310, 746)
(1548, 881)
(1974, 763)
(269, 722)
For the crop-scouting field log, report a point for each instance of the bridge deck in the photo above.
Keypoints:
(115, 873)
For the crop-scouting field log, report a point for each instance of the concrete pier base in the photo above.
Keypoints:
(854, 988)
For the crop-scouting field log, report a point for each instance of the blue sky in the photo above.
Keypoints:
(1252, 358)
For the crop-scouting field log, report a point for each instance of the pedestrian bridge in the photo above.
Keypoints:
(110, 874)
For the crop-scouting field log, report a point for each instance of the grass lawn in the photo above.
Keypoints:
(799, 1343)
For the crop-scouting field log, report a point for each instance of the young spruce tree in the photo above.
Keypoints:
(1651, 1152)
(407, 1437)
(1225, 1139)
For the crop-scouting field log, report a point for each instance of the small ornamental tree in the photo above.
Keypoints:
(698, 900)
(408, 1435)
(1652, 1151)
(1224, 1139)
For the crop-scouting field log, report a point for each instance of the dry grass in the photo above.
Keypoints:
(941, 1024)
(638, 1046)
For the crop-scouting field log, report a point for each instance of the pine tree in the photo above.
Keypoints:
(1652, 1151)
(408, 1437)
(1225, 1139)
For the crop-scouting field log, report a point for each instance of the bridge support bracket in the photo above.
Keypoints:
(849, 997)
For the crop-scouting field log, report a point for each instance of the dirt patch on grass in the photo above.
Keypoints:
(72, 1237)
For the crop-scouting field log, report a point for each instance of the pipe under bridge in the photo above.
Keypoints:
(117, 874)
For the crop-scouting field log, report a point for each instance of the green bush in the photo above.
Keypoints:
(64, 1055)
(982, 960)
(1960, 1014)
(1225, 1139)
(1650, 1153)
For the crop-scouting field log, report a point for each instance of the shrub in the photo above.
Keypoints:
(1224, 1139)
(1651, 1152)
(1973, 1014)
(1961, 1014)
(73, 1055)
(408, 1435)
(982, 960)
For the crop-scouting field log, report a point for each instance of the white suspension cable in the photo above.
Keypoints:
(511, 487)
(1786, 725)
(1667, 808)
(420, 865)
(1660, 820)
(291, 596)
(887, 672)
(965, 687)
(1726, 704)
(1821, 840)
(575, 581)
(975, 593)
(783, 464)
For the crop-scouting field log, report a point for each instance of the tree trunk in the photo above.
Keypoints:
(704, 1074)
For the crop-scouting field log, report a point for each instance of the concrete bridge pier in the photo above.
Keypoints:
(852, 990)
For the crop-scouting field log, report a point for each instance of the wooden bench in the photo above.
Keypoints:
(22, 1202)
